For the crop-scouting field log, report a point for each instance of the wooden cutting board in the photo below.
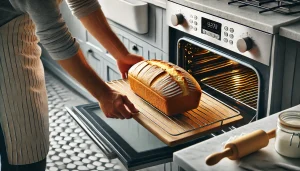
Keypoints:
(210, 116)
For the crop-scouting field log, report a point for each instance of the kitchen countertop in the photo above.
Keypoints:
(291, 31)
(193, 158)
(268, 22)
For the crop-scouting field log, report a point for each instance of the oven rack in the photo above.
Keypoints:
(222, 75)
(282, 6)
(239, 84)
(210, 114)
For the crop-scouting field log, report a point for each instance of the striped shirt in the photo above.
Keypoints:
(23, 98)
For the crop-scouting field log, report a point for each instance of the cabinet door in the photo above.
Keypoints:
(151, 52)
(111, 70)
(140, 47)
(155, 31)
(95, 60)
(75, 27)
(135, 48)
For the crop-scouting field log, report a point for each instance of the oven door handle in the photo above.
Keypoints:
(103, 147)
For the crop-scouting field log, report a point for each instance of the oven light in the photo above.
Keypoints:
(234, 63)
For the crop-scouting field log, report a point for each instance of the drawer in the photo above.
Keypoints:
(157, 54)
(96, 60)
(156, 28)
(140, 47)
(150, 52)
(135, 49)
(111, 71)
(133, 46)
(102, 63)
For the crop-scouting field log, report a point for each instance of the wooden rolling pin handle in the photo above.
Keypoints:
(261, 138)
(215, 158)
(272, 134)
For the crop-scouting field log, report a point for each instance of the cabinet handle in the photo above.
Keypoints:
(91, 52)
(135, 48)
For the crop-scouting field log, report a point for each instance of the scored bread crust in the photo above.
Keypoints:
(164, 85)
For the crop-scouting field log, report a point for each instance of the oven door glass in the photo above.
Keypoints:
(134, 145)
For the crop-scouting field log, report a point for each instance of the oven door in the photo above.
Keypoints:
(126, 140)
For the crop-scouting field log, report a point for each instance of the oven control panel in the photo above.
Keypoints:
(238, 38)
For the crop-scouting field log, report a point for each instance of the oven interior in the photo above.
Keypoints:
(230, 81)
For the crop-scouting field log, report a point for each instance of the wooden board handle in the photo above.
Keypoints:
(215, 158)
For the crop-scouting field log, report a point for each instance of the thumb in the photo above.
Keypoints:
(124, 75)
(130, 106)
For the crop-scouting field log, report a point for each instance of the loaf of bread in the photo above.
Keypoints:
(164, 85)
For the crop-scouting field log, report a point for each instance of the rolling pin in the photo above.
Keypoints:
(242, 146)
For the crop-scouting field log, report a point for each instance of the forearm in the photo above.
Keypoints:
(97, 25)
(79, 69)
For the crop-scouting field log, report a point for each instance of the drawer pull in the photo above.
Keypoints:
(135, 48)
(90, 51)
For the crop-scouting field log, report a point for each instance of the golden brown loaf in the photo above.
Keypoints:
(166, 86)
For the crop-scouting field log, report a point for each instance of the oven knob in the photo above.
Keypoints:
(177, 19)
(244, 44)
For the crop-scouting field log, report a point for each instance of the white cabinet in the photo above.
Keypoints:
(139, 47)
(131, 14)
(95, 60)
(135, 48)
(111, 70)
(102, 63)
(157, 34)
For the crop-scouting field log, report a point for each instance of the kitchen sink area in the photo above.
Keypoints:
(243, 53)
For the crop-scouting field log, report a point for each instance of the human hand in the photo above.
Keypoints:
(126, 62)
(116, 105)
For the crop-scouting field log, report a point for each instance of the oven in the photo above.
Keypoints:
(230, 61)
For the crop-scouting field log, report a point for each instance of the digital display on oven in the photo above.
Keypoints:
(211, 28)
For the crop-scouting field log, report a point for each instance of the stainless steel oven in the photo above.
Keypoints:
(229, 60)
(231, 78)
(231, 63)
